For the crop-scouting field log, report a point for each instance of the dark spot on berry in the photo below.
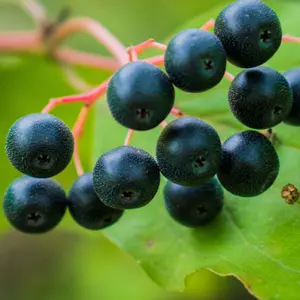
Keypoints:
(201, 209)
(128, 195)
(266, 36)
(270, 131)
(34, 217)
(44, 159)
(143, 113)
(208, 64)
(200, 162)
(108, 220)
(277, 110)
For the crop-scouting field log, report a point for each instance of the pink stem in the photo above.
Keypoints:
(129, 136)
(177, 112)
(156, 60)
(87, 59)
(77, 160)
(20, 41)
(291, 39)
(132, 54)
(228, 76)
(77, 133)
(208, 25)
(36, 10)
(97, 92)
(142, 46)
(58, 101)
(150, 43)
(159, 46)
(88, 98)
(30, 41)
(163, 124)
(97, 30)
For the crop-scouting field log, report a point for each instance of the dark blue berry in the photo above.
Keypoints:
(39, 145)
(140, 96)
(293, 78)
(126, 177)
(189, 151)
(194, 206)
(87, 209)
(195, 60)
(34, 205)
(250, 164)
(260, 97)
(250, 32)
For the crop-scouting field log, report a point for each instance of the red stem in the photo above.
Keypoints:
(35, 10)
(129, 136)
(87, 98)
(92, 27)
(291, 39)
(228, 76)
(80, 58)
(20, 41)
(208, 25)
(77, 133)
(163, 124)
(177, 112)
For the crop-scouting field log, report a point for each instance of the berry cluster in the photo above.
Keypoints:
(189, 152)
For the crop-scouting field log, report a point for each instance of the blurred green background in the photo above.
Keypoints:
(75, 264)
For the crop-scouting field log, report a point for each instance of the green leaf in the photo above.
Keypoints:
(253, 239)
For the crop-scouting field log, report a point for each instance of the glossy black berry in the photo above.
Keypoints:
(250, 164)
(250, 32)
(126, 177)
(195, 60)
(34, 205)
(189, 151)
(140, 96)
(39, 145)
(293, 78)
(194, 206)
(260, 97)
(87, 209)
